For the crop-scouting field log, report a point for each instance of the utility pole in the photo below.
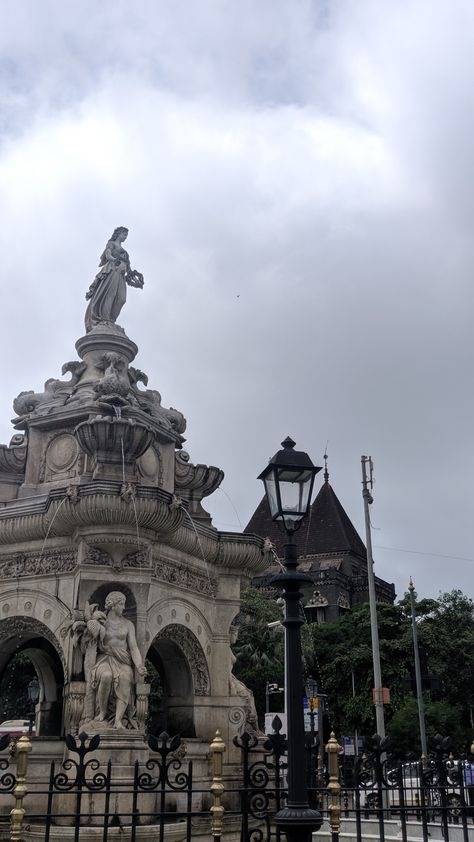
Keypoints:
(378, 690)
(419, 685)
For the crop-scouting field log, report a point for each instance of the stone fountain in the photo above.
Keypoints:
(108, 560)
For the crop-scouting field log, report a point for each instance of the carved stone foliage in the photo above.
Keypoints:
(193, 653)
(96, 555)
(139, 558)
(194, 580)
(37, 564)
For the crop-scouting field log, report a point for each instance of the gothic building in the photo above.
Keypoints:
(330, 551)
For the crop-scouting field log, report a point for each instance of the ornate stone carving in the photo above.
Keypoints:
(72, 493)
(55, 393)
(343, 601)
(139, 558)
(194, 580)
(194, 482)
(61, 455)
(111, 659)
(128, 491)
(114, 386)
(74, 695)
(36, 564)
(193, 653)
(94, 555)
(317, 600)
(108, 291)
(143, 692)
(149, 401)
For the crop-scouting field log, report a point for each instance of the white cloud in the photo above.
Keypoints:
(296, 178)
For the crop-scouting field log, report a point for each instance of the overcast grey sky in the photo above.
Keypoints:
(297, 178)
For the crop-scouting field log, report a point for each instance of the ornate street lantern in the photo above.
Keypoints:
(289, 480)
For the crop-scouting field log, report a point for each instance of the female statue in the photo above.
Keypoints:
(108, 292)
(112, 675)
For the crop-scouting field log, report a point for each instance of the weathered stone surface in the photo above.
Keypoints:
(98, 498)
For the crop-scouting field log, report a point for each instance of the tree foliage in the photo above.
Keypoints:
(339, 656)
(14, 703)
(259, 649)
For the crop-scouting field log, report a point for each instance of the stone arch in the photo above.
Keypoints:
(195, 657)
(29, 636)
(179, 658)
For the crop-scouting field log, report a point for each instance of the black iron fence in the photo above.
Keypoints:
(157, 799)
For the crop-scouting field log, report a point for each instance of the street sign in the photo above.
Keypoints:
(307, 714)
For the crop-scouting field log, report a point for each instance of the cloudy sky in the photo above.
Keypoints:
(297, 178)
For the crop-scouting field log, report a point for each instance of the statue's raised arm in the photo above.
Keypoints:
(108, 292)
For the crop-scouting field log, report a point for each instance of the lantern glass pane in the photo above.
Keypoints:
(295, 493)
(272, 495)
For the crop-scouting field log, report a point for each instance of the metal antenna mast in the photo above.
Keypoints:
(378, 689)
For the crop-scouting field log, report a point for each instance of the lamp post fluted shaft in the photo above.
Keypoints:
(297, 819)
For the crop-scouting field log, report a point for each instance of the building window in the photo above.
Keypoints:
(321, 616)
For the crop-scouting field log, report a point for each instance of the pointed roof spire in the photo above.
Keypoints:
(326, 472)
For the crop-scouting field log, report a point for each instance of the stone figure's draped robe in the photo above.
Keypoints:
(108, 291)
(117, 662)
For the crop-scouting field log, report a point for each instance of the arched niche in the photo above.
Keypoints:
(30, 637)
(99, 595)
(179, 659)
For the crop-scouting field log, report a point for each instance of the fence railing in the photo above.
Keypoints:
(158, 799)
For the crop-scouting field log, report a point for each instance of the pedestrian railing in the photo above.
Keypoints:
(86, 798)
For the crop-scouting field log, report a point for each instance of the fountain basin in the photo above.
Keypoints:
(113, 442)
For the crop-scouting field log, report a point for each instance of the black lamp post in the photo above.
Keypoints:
(33, 690)
(289, 480)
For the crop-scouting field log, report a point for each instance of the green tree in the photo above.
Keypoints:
(259, 649)
(342, 653)
(440, 717)
(339, 655)
(14, 703)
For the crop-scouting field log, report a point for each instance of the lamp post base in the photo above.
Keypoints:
(298, 822)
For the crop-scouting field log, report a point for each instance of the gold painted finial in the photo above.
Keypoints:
(334, 787)
(216, 751)
(17, 815)
(411, 586)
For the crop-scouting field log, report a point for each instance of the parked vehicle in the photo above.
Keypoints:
(16, 727)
